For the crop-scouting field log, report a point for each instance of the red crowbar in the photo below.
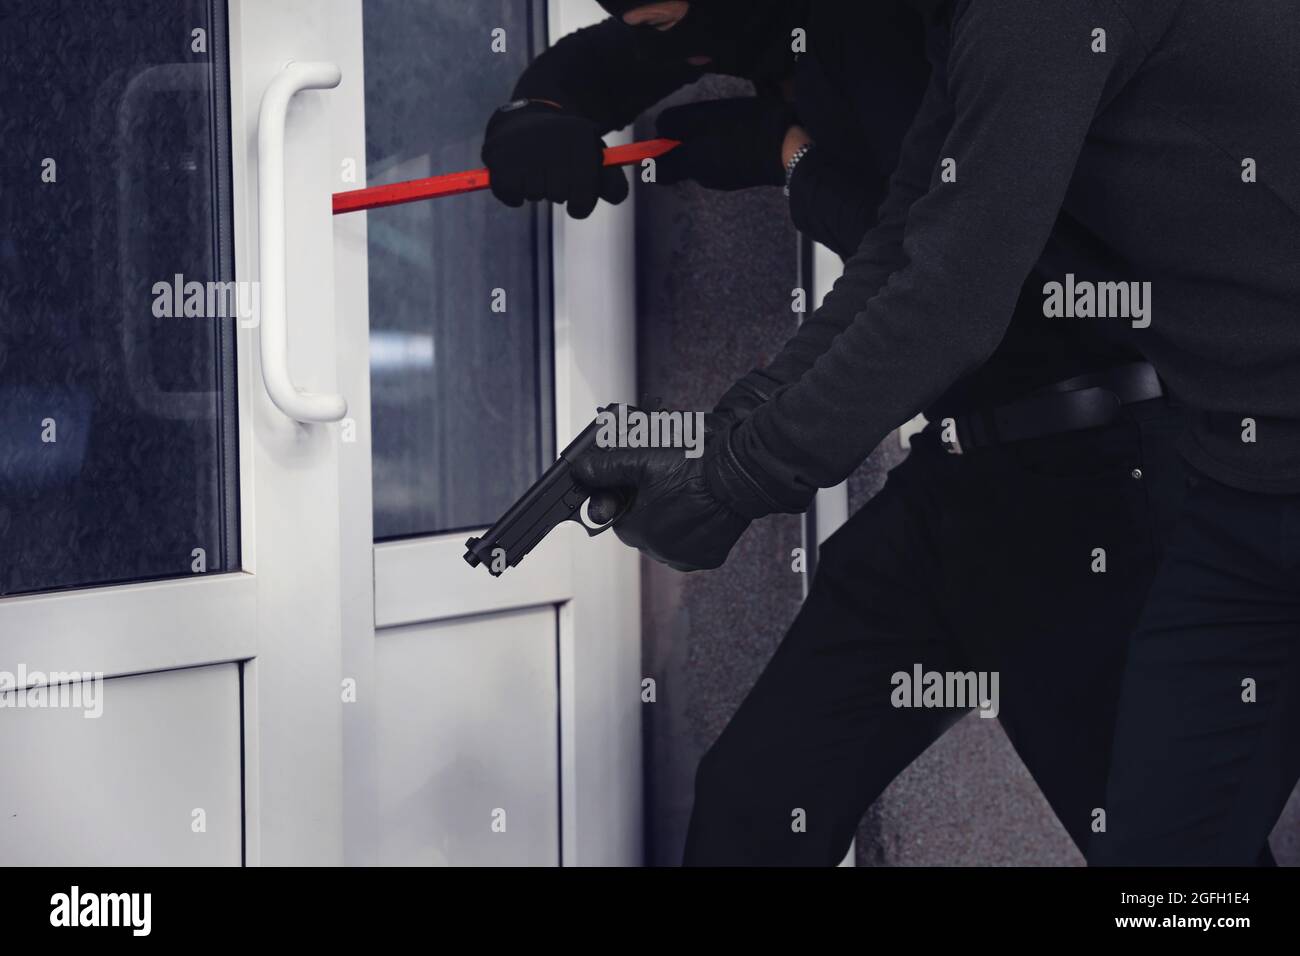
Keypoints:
(452, 184)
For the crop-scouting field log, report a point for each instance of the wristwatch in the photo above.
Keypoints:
(526, 101)
(799, 154)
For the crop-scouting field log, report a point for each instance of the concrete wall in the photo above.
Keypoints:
(715, 273)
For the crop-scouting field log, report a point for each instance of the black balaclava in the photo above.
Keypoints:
(748, 38)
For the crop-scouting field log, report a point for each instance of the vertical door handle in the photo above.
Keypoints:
(274, 330)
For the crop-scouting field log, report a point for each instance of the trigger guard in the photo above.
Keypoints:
(594, 529)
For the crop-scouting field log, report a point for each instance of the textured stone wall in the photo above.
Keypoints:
(715, 273)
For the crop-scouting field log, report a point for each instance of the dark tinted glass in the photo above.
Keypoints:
(117, 425)
(461, 394)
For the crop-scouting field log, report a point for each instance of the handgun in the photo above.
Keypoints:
(556, 496)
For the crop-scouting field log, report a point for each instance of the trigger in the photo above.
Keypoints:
(583, 517)
(604, 506)
(600, 511)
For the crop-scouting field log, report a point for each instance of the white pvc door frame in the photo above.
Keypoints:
(594, 583)
(294, 473)
(302, 613)
(281, 616)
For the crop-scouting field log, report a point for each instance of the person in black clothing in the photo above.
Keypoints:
(983, 560)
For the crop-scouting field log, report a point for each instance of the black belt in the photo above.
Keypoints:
(1087, 401)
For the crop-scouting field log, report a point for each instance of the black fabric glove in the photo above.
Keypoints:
(726, 144)
(676, 515)
(536, 151)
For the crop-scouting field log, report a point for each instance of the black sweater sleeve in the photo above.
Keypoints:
(832, 207)
(1025, 85)
(596, 73)
(828, 205)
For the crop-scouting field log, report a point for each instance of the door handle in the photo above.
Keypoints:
(274, 331)
(135, 232)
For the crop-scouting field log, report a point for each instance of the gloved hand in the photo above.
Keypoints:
(739, 401)
(726, 144)
(537, 151)
(734, 407)
(676, 515)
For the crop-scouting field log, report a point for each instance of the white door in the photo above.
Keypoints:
(500, 719)
(164, 524)
(300, 668)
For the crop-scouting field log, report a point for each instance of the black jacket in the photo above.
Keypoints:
(1115, 155)
(857, 90)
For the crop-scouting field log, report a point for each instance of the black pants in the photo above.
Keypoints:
(1207, 746)
(985, 561)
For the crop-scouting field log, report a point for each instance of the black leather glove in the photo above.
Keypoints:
(726, 144)
(739, 401)
(535, 151)
(676, 515)
(734, 407)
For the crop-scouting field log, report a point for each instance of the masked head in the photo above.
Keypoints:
(741, 37)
